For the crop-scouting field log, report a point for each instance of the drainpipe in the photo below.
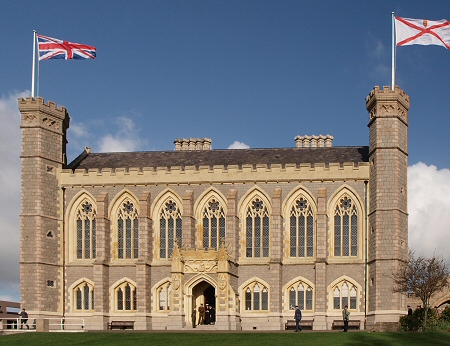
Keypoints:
(366, 269)
(63, 252)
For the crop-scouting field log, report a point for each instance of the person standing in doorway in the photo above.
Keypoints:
(194, 316)
(201, 314)
(23, 319)
(298, 318)
(345, 316)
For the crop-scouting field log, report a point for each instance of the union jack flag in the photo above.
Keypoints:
(53, 48)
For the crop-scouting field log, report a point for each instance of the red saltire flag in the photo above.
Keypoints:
(421, 31)
(53, 48)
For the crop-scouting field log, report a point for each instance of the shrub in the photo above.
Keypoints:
(445, 315)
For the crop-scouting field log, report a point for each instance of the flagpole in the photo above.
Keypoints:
(393, 52)
(33, 68)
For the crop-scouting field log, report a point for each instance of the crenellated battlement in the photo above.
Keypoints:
(387, 95)
(38, 103)
(216, 174)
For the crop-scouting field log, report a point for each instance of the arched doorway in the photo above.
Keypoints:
(202, 293)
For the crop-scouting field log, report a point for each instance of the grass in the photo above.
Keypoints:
(222, 339)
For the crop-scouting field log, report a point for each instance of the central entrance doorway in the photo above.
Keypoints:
(203, 293)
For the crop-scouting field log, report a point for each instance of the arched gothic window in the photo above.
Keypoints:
(256, 297)
(344, 293)
(257, 229)
(345, 228)
(301, 223)
(127, 230)
(126, 297)
(213, 224)
(170, 228)
(84, 297)
(86, 230)
(300, 294)
(163, 296)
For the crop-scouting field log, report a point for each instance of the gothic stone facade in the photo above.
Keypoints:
(147, 236)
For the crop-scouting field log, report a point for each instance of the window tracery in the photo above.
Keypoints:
(170, 228)
(86, 230)
(345, 227)
(213, 217)
(127, 230)
(256, 297)
(301, 294)
(301, 229)
(84, 297)
(126, 297)
(257, 225)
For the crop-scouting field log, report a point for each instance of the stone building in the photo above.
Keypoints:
(145, 236)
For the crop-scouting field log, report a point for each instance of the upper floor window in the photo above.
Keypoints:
(257, 234)
(170, 228)
(345, 227)
(86, 230)
(213, 224)
(301, 232)
(127, 230)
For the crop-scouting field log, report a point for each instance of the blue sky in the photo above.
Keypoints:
(253, 72)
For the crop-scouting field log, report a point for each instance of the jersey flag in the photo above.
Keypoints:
(53, 48)
(421, 31)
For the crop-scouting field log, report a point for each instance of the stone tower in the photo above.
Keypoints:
(43, 155)
(387, 215)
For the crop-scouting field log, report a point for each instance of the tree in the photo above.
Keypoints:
(422, 277)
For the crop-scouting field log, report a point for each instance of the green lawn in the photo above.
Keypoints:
(221, 339)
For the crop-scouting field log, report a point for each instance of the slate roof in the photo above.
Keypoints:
(224, 157)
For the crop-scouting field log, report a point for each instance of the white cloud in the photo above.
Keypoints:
(10, 190)
(239, 145)
(429, 210)
(125, 139)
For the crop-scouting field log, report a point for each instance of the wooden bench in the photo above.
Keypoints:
(303, 323)
(121, 325)
(351, 324)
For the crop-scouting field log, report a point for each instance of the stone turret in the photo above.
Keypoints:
(44, 127)
(388, 214)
